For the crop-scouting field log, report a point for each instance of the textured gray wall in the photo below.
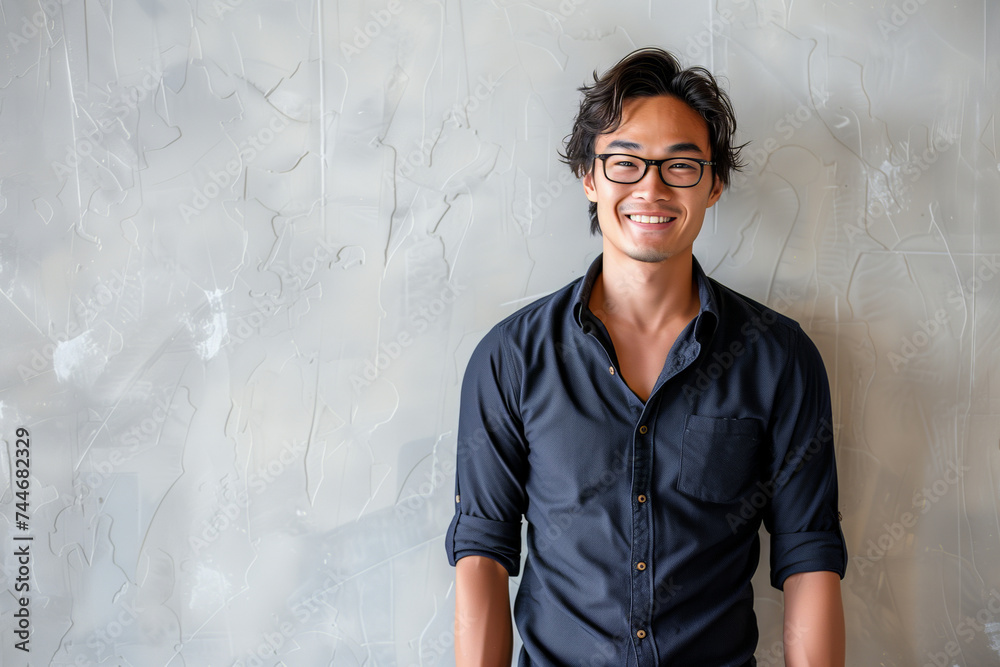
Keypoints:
(247, 246)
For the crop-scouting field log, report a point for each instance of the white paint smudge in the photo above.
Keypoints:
(215, 328)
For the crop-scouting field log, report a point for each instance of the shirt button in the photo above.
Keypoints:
(641, 634)
(611, 369)
(643, 429)
(641, 498)
(458, 499)
(640, 567)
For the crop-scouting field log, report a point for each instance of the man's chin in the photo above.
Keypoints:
(648, 255)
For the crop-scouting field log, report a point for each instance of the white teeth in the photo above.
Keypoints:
(648, 218)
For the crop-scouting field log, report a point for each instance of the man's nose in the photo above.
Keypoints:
(651, 186)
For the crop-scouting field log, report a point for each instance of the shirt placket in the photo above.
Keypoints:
(640, 621)
(640, 614)
(642, 515)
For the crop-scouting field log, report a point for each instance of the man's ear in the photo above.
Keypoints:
(716, 191)
(588, 186)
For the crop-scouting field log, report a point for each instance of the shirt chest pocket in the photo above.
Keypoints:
(718, 458)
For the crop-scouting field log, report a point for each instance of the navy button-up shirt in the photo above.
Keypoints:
(643, 517)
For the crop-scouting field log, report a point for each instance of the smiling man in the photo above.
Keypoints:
(646, 420)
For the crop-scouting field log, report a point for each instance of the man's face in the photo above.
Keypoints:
(653, 128)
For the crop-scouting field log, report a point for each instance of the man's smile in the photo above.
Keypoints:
(649, 215)
(649, 219)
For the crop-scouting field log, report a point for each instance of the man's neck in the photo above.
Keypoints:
(647, 296)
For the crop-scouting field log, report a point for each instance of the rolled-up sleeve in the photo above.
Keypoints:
(491, 458)
(802, 518)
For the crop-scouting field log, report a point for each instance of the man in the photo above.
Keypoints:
(646, 420)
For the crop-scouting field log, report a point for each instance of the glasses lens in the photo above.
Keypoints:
(624, 168)
(679, 172)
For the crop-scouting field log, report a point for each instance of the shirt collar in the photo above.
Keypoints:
(706, 294)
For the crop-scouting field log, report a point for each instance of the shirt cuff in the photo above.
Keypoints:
(792, 553)
(475, 536)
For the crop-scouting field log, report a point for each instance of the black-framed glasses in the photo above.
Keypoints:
(677, 172)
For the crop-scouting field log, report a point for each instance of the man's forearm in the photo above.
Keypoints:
(483, 632)
(814, 620)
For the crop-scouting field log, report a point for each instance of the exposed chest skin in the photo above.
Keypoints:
(640, 356)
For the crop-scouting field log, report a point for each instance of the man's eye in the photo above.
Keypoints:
(680, 166)
(624, 163)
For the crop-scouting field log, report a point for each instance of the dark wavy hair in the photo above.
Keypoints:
(647, 73)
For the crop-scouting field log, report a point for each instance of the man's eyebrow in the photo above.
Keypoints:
(685, 147)
(627, 145)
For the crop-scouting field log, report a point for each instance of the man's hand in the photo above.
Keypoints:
(814, 620)
(483, 631)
